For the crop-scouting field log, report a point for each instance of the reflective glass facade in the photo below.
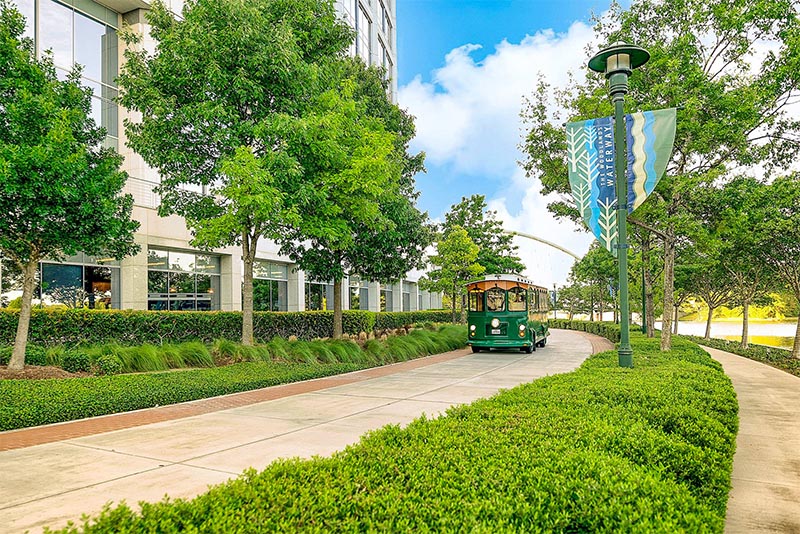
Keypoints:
(78, 282)
(182, 281)
(84, 33)
(270, 286)
(319, 296)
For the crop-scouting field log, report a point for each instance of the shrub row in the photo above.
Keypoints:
(774, 356)
(34, 354)
(602, 449)
(608, 330)
(133, 327)
(25, 403)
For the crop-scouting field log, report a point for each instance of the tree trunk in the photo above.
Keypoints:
(17, 360)
(248, 255)
(745, 324)
(796, 347)
(453, 307)
(669, 285)
(591, 309)
(708, 323)
(675, 322)
(337, 309)
(602, 304)
(649, 306)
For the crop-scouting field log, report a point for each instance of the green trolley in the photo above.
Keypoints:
(507, 311)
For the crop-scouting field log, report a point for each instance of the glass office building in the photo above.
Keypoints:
(168, 273)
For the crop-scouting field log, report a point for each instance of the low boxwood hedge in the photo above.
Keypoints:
(602, 449)
(134, 327)
(606, 329)
(25, 403)
(774, 356)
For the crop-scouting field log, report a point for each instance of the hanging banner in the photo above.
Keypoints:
(651, 135)
(590, 160)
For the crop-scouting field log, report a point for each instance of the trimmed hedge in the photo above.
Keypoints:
(606, 329)
(25, 403)
(135, 327)
(602, 449)
(34, 355)
(774, 356)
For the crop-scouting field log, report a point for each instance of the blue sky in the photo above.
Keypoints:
(464, 67)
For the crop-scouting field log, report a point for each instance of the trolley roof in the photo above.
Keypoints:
(505, 281)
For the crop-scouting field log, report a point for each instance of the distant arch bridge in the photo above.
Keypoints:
(545, 241)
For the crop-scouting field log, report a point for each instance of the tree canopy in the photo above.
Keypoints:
(223, 92)
(732, 104)
(496, 250)
(60, 189)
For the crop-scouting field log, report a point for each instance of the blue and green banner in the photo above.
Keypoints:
(590, 153)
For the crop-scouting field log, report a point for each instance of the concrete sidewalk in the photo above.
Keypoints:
(766, 468)
(51, 483)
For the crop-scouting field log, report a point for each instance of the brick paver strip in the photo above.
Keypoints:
(27, 437)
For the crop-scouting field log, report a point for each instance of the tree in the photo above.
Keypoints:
(778, 235)
(60, 189)
(353, 171)
(708, 278)
(497, 253)
(573, 299)
(732, 111)
(456, 264)
(362, 218)
(596, 269)
(731, 212)
(224, 90)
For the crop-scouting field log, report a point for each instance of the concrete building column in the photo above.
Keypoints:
(414, 296)
(230, 268)
(296, 290)
(374, 289)
(133, 277)
(397, 296)
(345, 283)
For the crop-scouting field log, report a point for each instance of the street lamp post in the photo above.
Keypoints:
(617, 62)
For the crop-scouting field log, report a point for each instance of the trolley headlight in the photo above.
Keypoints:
(495, 322)
(472, 328)
(522, 330)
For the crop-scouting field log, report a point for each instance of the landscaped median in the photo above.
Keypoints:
(25, 403)
(601, 449)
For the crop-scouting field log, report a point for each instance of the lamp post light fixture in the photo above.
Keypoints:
(617, 62)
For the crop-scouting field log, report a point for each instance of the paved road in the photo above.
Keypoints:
(51, 483)
(766, 468)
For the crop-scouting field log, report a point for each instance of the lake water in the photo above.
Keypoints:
(771, 333)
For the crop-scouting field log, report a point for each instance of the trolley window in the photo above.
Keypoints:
(496, 299)
(516, 299)
(476, 301)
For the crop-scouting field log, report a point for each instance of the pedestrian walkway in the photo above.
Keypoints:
(157, 452)
(765, 496)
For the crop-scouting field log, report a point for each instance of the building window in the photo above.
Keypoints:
(270, 286)
(363, 34)
(406, 296)
(88, 39)
(182, 281)
(359, 293)
(79, 281)
(319, 296)
(386, 298)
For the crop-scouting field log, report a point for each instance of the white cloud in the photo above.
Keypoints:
(468, 119)
(545, 265)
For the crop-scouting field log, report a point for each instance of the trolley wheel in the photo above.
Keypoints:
(542, 343)
(529, 349)
(475, 349)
